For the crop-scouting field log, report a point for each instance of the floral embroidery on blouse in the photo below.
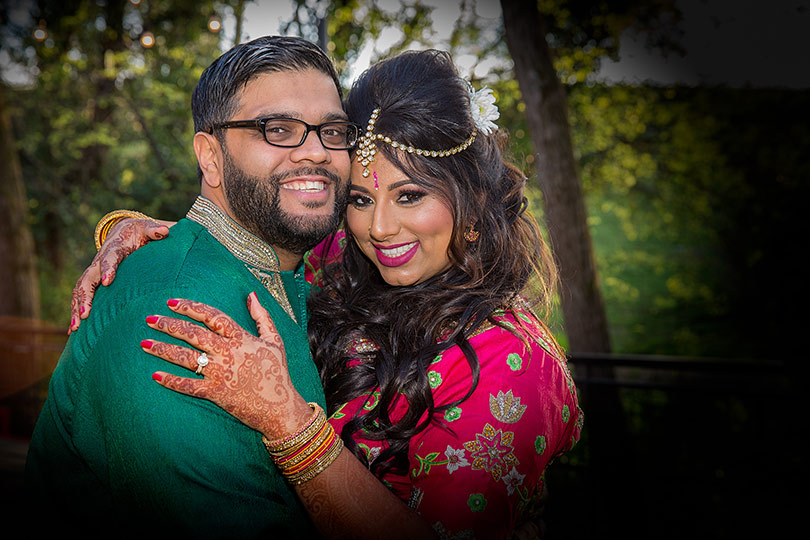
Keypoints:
(506, 407)
(492, 451)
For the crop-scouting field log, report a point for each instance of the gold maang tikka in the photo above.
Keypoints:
(367, 145)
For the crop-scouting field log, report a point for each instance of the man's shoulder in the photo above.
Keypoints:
(189, 253)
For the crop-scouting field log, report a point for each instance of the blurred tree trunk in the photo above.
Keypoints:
(19, 288)
(547, 118)
(611, 457)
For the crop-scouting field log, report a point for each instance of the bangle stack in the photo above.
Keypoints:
(111, 220)
(307, 452)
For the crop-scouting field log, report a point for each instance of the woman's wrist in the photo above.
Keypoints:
(308, 451)
(112, 219)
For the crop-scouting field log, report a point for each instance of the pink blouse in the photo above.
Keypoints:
(474, 471)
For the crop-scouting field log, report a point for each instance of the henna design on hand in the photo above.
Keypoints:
(246, 375)
(123, 239)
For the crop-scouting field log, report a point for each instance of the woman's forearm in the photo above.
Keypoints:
(347, 501)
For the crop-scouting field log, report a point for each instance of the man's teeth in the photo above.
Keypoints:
(304, 186)
(396, 252)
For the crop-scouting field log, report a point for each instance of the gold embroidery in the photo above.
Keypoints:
(506, 407)
(273, 283)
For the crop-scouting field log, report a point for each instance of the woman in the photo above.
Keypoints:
(439, 378)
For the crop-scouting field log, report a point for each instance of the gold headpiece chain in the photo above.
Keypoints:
(367, 145)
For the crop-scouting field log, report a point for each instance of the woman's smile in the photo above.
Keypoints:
(396, 255)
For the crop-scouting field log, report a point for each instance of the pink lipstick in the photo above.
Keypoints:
(396, 255)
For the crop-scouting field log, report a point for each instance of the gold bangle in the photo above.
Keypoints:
(111, 220)
(312, 454)
(319, 466)
(307, 452)
(289, 444)
(293, 458)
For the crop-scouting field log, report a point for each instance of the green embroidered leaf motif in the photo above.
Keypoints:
(477, 502)
(540, 444)
(337, 414)
(453, 413)
(425, 463)
(515, 361)
(366, 449)
(434, 379)
(372, 400)
(566, 413)
(437, 359)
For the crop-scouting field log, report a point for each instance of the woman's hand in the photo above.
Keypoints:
(245, 375)
(124, 238)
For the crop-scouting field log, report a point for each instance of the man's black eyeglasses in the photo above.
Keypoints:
(290, 133)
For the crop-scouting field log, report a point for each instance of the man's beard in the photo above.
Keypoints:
(256, 204)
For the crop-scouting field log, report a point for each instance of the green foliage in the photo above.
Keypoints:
(350, 24)
(105, 122)
(681, 187)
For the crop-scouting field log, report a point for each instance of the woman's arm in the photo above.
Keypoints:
(124, 238)
(247, 376)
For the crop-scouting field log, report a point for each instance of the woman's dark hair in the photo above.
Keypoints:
(425, 104)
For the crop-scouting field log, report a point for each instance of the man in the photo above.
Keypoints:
(111, 446)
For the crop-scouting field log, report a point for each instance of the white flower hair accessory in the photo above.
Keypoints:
(483, 108)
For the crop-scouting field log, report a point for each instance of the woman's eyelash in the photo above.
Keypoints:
(357, 199)
(411, 196)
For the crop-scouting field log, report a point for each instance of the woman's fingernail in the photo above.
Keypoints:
(81, 309)
(157, 376)
(104, 278)
(146, 344)
(173, 302)
(72, 322)
(152, 319)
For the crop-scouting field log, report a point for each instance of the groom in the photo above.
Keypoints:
(111, 447)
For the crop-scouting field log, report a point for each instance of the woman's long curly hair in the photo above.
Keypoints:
(425, 104)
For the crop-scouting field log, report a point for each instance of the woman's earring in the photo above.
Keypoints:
(471, 235)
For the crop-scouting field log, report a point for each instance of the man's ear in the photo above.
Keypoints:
(209, 157)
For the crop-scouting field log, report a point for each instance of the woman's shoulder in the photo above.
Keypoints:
(517, 327)
(513, 349)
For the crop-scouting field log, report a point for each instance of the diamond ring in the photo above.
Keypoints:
(202, 361)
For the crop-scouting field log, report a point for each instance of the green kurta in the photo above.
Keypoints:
(122, 447)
